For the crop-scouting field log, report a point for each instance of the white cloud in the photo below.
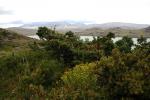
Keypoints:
(5, 12)
(134, 11)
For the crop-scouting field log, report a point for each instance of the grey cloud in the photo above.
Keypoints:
(5, 12)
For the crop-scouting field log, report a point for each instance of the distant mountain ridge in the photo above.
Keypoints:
(84, 25)
(69, 24)
(122, 25)
(86, 28)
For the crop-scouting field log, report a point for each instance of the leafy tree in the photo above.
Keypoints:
(125, 44)
(105, 43)
(61, 51)
(128, 41)
(141, 40)
(42, 32)
(69, 34)
(110, 35)
(108, 47)
(45, 33)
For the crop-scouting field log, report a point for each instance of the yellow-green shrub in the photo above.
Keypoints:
(80, 76)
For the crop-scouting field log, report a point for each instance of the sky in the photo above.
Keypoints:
(98, 11)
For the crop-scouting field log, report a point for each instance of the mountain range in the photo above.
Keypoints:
(83, 27)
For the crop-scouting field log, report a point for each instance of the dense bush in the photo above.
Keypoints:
(62, 67)
(77, 84)
(122, 77)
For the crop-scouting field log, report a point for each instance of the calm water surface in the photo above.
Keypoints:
(90, 38)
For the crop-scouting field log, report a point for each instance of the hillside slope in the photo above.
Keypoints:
(118, 32)
(11, 41)
(23, 31)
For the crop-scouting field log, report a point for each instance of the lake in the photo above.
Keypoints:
(90, 38)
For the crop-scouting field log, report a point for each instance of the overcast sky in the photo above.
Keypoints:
(100, 11)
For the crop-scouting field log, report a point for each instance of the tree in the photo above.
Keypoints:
(141, 40)
(69, 34)
(108, 47)
(125, 44)
(110, 35)
(61, 51)
(107, 44)
(45, 33)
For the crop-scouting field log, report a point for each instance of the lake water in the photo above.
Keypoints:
(34, 37)
(90, 38)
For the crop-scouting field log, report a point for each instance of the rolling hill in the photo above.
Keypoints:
(11, 41)
(118, 32)
(82, 28)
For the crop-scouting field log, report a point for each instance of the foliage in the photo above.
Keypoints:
(78, 84)
(122, 77)
(45, 33)
(125, 44)
(61, 51)
(69, 34)
(63, 67)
